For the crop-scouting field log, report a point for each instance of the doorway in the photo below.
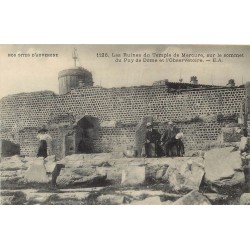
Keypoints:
(86, 135)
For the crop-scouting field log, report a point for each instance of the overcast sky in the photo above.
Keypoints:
(29, 74)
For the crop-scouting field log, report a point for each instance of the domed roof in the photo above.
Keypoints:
(76, 71)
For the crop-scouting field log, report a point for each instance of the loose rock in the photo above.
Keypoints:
(36, 172)
(6, 200)
(193, 198)
(245, 199)
(78, 176)
(216, 199)
(110, 199)
(12, 163)
(223, 171)
(155, 200)
(133, 176)
(185, 177)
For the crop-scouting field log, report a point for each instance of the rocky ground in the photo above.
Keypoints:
(218, 176)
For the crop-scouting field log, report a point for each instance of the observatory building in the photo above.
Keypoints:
(74, 78)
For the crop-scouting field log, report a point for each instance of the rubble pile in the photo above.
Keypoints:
(220, 176)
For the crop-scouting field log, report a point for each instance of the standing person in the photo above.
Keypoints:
(244, 147)
(179, 144)
(44, 138)
(168, 138)
(152, 141)
(56, 173)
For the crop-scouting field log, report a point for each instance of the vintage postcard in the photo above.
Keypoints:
(124, 124)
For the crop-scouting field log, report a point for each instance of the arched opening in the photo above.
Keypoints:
(86, 134)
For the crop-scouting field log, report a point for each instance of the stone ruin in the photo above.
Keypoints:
(111, 121)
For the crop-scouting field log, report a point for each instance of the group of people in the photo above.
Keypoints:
(168, 144)
(156, 145)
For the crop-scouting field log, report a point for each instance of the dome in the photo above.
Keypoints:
(74, 78)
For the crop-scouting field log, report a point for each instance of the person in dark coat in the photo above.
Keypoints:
(56, 173)
(152, 141)
(168, 139)
(43, 139)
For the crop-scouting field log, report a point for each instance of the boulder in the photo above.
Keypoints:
(114, 174)
(160, 172)
(21, 172)
(154, 200)
(12, 163)
(81, 175)
(133, 175)
(245, 199)
(155, 168)
(244, 142)
(36, 172)
(6, 200)
(8, 173)
(167, 203)
(184, 177)
(50, 166)
(223, 170)
(221, 163)
(129, 153)
(81, 169)
(89, 180)
(140, 194)
(73, 160)
(216, 199)
(80, 160)
(9, 197)
(170, 197)
(135, 162)
(29, 158)
(73, 195)
(117, 153)
(10, 179)
(155, 171)
(101, 163)
(70, 163)
(110, 199)
(68, 175)
(230, 134)
(232, 186)
(97, 157)
(37, 198)
(74, 157)
(60, 199)
(193, 198)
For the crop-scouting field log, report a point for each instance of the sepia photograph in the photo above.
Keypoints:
(111, 112)
(124, 124)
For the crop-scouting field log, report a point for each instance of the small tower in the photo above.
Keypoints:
(74, 77)
(193, 80)
(231, 83)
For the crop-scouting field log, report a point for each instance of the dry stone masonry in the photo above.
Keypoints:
(22, 114)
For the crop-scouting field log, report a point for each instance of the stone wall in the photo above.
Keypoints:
(124, 105)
